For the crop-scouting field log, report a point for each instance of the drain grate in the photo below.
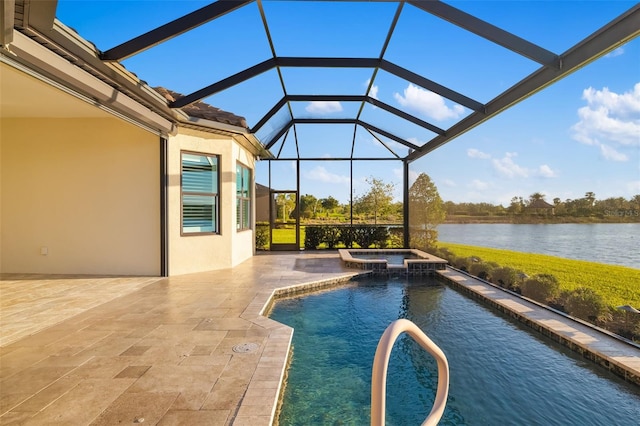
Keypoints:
(245, 347)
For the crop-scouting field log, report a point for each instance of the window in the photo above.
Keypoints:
(243, 197)
(199, 193)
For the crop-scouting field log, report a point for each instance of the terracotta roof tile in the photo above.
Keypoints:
(200, 109)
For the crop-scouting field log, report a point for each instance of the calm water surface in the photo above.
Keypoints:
(614, 243)
(501, 372)
(394, 259)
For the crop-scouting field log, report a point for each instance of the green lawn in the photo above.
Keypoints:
(287, 235)
(618, 285)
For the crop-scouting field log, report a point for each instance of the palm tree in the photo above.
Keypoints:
(590, 197)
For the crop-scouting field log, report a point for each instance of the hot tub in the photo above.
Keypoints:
(392, 261)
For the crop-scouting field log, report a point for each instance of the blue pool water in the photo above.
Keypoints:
(391, 258)
(502, 373)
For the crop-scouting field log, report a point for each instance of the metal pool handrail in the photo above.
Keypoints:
(381, 362)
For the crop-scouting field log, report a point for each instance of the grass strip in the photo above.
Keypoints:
(618, 285)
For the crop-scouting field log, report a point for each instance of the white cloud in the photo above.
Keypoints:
(374, 92)
(449, 183)
(321, 174)
(374, 89)
(546, 171)
(427, 103)
(624, 105)
(609, 119)
(324, 107)
(610, 153)
(619, 51)
(474, 153)
(479, 185)
(507, 167)
(599, 124)
(393, 145)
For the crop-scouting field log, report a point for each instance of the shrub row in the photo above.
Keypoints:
(331, 236)
(583, 303)
(262, 235)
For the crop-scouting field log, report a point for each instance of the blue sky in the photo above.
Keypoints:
(581, 134)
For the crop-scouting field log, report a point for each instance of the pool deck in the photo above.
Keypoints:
(107, 350)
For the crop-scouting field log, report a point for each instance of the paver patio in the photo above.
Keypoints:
(89, 350)
(108, 350)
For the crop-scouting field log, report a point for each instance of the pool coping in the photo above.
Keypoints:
(616, 354)
(276, 355)
(424, 263)
(612, 352)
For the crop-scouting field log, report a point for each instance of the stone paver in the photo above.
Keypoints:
(108, 350)
(49, 300)
(161, 350)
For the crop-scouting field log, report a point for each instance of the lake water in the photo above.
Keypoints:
(614, 243)
(502, 373)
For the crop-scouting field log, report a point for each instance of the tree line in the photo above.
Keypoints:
(377, 206)
(374, 205)
(586, 206)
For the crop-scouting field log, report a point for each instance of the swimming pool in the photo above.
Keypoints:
(392, 261)
(501, 371)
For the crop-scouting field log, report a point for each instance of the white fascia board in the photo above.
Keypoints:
(249, 142)
(46, 61)
(216, 125)
(239, 134)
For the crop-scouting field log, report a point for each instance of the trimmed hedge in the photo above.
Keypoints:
(314, 236)
(586, 304)
(543, 288)
(348, 236)
(262, 236)
(582, 302)
(509, 278)
(364, 236)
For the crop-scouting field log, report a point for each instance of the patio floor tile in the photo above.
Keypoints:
(104, 350)
(110, 350)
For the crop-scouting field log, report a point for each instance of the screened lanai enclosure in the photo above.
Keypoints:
(344, 89)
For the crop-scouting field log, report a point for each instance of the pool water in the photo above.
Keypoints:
(501, 371)
(391, 258)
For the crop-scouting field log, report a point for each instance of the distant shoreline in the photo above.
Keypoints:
(535, 220)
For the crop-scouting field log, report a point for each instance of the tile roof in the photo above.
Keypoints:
(201, 109)
(540, 204)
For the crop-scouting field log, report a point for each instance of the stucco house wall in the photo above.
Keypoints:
(196, 253)
(79, 196)
(244, 240)
(83, 164)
